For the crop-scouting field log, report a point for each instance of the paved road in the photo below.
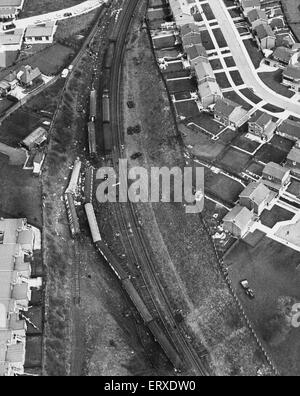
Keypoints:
(244, 63)
(82, 8)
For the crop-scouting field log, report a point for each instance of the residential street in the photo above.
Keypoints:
(244, 62)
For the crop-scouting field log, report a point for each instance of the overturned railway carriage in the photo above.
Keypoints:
(89, 184)
(132, 292)
(72, 215)
(92, 139)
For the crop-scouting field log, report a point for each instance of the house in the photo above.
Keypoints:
(181, 10)
(9, 9)
(257, 17)
(239, 221)
(189, 29)
(249, 5)
(289, 129)
(191, 40)
(291, 78)
(15, 294)
(209, 93)
(265, 37)
(8, 83)
(276, 176)
(281, 57)
(230, 114)
(40, 34)
(256, 197)
(27, 75)
(38, 163)
(196, 54)
(35, 139)
(293, 159)
(10, 45)
(261, 125)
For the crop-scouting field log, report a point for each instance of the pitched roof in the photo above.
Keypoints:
(294, 155)
(240, 216)
(292, 72)
(28, 74)
(263, 31)
(250, 3)
(44, 30)
(192, 39)
(14, 37)
(291, 128)
(189, 28)
(196, 51)
(256, 14)
(226, 106)
(257, 192)
(275, 171)
(260, 118)
(282, 54)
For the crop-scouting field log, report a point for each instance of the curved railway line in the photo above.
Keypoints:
(135, 244)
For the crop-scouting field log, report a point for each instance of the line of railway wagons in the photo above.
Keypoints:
(128, 286)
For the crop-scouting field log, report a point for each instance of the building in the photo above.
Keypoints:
(257, 17)
(249, 5)
(196, 54)
(262, 126)
(38, 163)
(289, 129)
(16, 240)
(239, 221)
(293, 160)
(27, 75)
(256, 197)
(181, 10)
(10, 45)
(276, 176)
(35, 139)
(265, 37)
(291, 78)
(230, 114)
(40, 34)
(209, 93)
(9, 9)
(281, 57)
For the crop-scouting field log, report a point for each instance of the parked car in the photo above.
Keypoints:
(249, 292)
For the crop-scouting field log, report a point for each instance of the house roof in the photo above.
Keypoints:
(208, 88)
(290, 128)
(36, 137)
(250, 3)
(192, 39)
(28, 74)
(11, 3)
(44, 30)
(257, 192)
(240, 216)
(282, 54)
(274, 170)
(189, 28)
(294, 155)
(196, 51)
(256, 14)
(226, 107)
(263, 31)
(14, 37)
(260, 118)
(203, 71)
(292, 72)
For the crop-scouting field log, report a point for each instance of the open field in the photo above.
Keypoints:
(277, 214)
(36, 7)
(271, 269)
(234, 160)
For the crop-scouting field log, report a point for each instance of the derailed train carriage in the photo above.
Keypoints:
(132, 292)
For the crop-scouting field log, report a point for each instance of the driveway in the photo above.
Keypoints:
(244, 63)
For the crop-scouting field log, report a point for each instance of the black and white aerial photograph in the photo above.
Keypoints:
(149, 191)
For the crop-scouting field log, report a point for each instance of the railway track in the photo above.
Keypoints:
(135, 243)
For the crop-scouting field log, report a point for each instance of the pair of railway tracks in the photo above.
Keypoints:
(135, 242)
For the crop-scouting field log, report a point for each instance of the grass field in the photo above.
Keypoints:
(273, 81)
(271, 269)
(254, 52)
(235, 161)
(277, 214)
(222, 186)
(36, 7)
